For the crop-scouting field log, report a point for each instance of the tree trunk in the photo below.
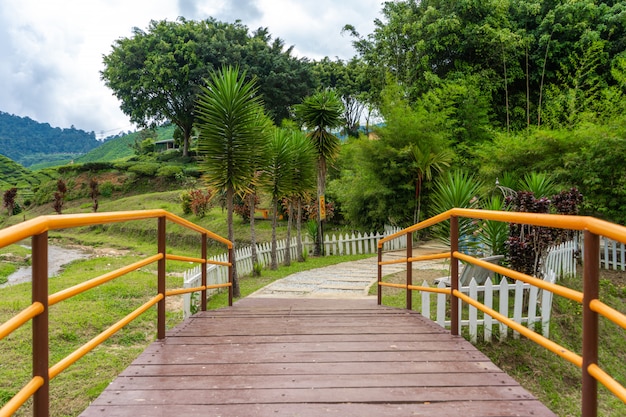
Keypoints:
(231, 236)
(273, 255)
(506, 92)
(254, 255)
(288, 243)
(543, 73)
(321, 188)
(299, 247)
(186, 140)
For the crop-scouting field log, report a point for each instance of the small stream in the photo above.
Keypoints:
(57, 257)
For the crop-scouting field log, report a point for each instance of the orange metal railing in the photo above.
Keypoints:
(37, 312)
(592, 228)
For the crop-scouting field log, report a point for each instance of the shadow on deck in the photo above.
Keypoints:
(313, 357)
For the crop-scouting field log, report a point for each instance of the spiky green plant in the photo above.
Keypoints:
(456, 189)
(540, 184)
(233, 132)
(321, 112)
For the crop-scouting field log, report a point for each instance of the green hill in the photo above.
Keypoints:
(29, 142)
(121, 147)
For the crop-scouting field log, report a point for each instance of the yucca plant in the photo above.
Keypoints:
(538, 183)
(494, 234)
(321, 112)
(456, 189)
(277, 178)
(233, 133)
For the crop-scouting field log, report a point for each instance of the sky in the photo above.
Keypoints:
(51, 50)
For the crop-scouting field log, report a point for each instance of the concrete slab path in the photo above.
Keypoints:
(348, 279)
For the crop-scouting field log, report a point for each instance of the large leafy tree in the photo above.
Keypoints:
(518, 49)
(157, 73)
(233, 131)
(320, 113)
(349, 79)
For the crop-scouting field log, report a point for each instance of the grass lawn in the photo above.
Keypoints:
(75, 321)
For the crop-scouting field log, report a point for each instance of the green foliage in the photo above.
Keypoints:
(456, 189)
(147, 169)
(589, 158)
(522, 62)
(42, 140)
(540, 184)
(172, 59)
(233, 135)
(169, 171)
(493, 234)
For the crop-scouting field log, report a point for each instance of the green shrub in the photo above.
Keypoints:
(106, 189)
(169, 171)
(193, 171)
(167, 155)
(45, 193)
(146, 169)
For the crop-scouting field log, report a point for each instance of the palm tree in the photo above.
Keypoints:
(321, 112)
(233, 131)
(424, 161)
(277, 178)
(303, 166)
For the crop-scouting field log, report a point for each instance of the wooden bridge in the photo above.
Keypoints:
(313, 357)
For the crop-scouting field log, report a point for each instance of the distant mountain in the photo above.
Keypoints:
(29, 142)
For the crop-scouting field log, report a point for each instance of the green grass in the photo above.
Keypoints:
(78, 319)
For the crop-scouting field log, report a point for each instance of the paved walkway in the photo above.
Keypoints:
(348, 279)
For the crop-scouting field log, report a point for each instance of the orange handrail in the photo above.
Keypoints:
(592, 306)
(37, 228)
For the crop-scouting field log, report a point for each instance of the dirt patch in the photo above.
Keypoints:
(618, 278)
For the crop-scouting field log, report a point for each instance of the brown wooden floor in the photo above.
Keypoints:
(313, 357)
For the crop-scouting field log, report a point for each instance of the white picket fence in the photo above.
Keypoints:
(523, 303)
(342, 244)
(612, 254)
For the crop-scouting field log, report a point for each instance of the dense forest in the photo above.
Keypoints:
(27, 141)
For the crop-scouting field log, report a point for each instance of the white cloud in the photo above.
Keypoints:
(51, 51)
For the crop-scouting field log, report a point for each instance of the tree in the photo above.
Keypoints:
(303, 173)
(277, 179)
(424, 163)
(157, 74)
(321, 112)
(9, 200)
(233, 129)
(349, 79)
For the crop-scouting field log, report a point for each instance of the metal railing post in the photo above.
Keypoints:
(204, 267)
(380, 275)
(41, 399)
(591, 265)
(454, 275)
(409, 270)
(230, 277)
(161, 279)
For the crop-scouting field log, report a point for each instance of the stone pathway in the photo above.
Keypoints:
(345, 280)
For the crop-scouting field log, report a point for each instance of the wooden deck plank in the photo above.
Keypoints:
(293, 357)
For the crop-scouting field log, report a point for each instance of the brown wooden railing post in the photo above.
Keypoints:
(204, 267)
(591, 265)
(41, 399)
(161, 279)
(230, 277)
(380, 275)
(409, 270)
(454, 275)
